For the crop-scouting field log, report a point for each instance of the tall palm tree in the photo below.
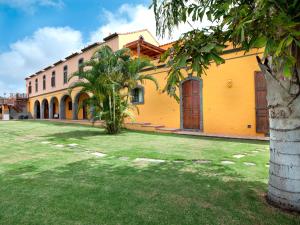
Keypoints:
(110, 77)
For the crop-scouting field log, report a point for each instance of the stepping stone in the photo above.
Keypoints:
(59, 146)
(201, 161)
(46, 142)
(72, 145)
(238, 156)
(98, 154)
(249, 164)
(149, 160)
(124, 158)
(178, 161)
(226, 162)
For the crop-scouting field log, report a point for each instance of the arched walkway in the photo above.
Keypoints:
(66, 108)
(80, 108)
(37, 110)
(45, 109)
(54, 108)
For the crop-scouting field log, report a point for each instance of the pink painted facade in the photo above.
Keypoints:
(116, 42)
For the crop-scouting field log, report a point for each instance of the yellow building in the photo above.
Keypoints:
(229, 100)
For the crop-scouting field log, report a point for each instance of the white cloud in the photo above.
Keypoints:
(44, 47)
(136, 17)
(31, 5)
(47, 45)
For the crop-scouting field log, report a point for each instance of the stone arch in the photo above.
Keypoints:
(80, 110)
(37, 110)
(66, 107)
(45, 109)
(54, 108)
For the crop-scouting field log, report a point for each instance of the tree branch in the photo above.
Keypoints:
(265, 68)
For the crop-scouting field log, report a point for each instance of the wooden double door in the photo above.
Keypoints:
(191, 112)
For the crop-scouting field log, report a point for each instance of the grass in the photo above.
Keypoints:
(43, 183)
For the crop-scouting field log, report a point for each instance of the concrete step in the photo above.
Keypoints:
(167, 130)
(152, 125)
(137, 123)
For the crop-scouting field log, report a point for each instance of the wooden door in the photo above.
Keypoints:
(191, 104)
(46, 110)
(261, 104)
(84, 110)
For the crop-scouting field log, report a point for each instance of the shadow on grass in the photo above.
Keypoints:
(201, 137)
(100, 131)
(109, 191)
(76, 134)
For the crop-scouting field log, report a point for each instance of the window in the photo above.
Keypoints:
(137, 95)
(44, 82)
(80, 63)
(36, 85)
(53, 79)
(70, 106)
(65, 74)
(29, 88)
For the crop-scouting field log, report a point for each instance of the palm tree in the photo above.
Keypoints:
(110, 77)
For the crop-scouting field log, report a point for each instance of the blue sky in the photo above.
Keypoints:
(37, 33)
(22, 19)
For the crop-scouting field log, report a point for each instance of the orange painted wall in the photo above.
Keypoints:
(58, 95)
(225, 110)
(68, 112)
(56, 108)
(80, 111)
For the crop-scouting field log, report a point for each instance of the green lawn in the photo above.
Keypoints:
(45, 181)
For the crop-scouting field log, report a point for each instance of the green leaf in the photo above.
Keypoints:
(280, 46)
(297, 42)
(260, 42)
(219, 60)
(242, 34)
(289, 40)
(287, 70)
(208, 47)
(182, 61)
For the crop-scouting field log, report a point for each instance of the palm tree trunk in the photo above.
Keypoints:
(284, 110)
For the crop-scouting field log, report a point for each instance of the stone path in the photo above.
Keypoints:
(59, 146)
(238, 156)
(72, 145)
(149, 160)
(201, 161)
(227, 162)
(124, 158)
(98, 154)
